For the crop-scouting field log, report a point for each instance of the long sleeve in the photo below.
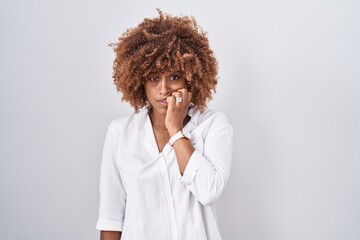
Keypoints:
(208, 169)
(112, 193)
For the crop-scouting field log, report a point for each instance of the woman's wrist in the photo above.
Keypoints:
(173, 131)
(178, 135)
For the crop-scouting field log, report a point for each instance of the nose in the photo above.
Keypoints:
(164, 88)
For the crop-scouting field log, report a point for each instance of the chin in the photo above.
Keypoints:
(161, 109)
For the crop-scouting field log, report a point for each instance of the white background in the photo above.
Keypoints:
(289, 84)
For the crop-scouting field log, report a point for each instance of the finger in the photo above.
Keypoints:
(189, 97)
(171, 102)
(183, 91)
(178, 98)
(176, 93)
(184, 94)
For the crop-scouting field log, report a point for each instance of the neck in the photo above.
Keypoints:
(157, 119)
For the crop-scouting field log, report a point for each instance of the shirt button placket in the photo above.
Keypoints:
(168, 193)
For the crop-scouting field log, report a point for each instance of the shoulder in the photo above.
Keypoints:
(211, 123)
(128, 123)
(212, 115)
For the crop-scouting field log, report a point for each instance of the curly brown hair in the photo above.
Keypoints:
(165, 43)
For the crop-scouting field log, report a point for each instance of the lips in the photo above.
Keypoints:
(163, 102)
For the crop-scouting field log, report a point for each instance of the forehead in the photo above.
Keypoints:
(163, 71)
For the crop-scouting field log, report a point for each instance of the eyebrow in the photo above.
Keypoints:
(158, 72)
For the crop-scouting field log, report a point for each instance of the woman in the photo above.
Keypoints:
(164, 166)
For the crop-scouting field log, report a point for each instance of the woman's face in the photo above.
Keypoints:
(158, 86)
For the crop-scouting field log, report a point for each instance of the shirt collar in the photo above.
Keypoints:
(140, 116)
(193, 112)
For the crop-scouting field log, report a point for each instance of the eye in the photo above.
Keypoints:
(175, 77)
(152, 78)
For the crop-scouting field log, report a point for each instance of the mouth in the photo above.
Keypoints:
(163, 102)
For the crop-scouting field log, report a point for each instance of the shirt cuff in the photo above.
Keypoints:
(108, 225)
(191, 168)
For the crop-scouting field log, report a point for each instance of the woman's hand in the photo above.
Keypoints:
(110, 235)
(177, 111)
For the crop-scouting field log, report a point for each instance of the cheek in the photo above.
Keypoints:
(180, 84)
(149, 93)
(147, 89)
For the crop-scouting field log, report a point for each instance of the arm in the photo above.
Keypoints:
(174, 122)
(112, 192)
(183, 151)
(206, 169)
(110, 235)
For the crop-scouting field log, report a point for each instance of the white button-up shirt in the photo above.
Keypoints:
(142, 192)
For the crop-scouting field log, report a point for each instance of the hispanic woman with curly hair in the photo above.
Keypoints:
(165, 165)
